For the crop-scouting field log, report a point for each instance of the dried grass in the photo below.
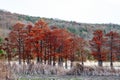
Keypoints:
(5, 72)
(93, 71)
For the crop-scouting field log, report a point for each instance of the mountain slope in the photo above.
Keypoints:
(8, 19)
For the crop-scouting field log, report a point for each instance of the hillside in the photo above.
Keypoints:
(85, 30)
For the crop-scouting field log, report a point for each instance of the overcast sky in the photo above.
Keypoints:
(87, 11)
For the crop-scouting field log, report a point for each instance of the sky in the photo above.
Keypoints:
(85, 11)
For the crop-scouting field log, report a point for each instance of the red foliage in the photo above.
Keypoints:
(41, 42)
(97, 46)
(113, 40)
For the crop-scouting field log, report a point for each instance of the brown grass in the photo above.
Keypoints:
(5, 72)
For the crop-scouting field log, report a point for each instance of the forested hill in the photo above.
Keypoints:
(85, 30)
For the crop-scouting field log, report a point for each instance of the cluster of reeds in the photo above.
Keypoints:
(93, 71)
(36, 69)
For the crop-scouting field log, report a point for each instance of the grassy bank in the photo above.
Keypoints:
(75, 78)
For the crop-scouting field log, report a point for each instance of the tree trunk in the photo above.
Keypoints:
(23, 55)
(111, 61)
(100, 63)
(54, 61)
(8, 53)
(38, 59)
(45, 56)
(71, 64)
(41, 47)
(19, 56)
(82, 61)
(60, 61)
(66, 64)
(49, 60)
(28, 60)
(111, 49)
